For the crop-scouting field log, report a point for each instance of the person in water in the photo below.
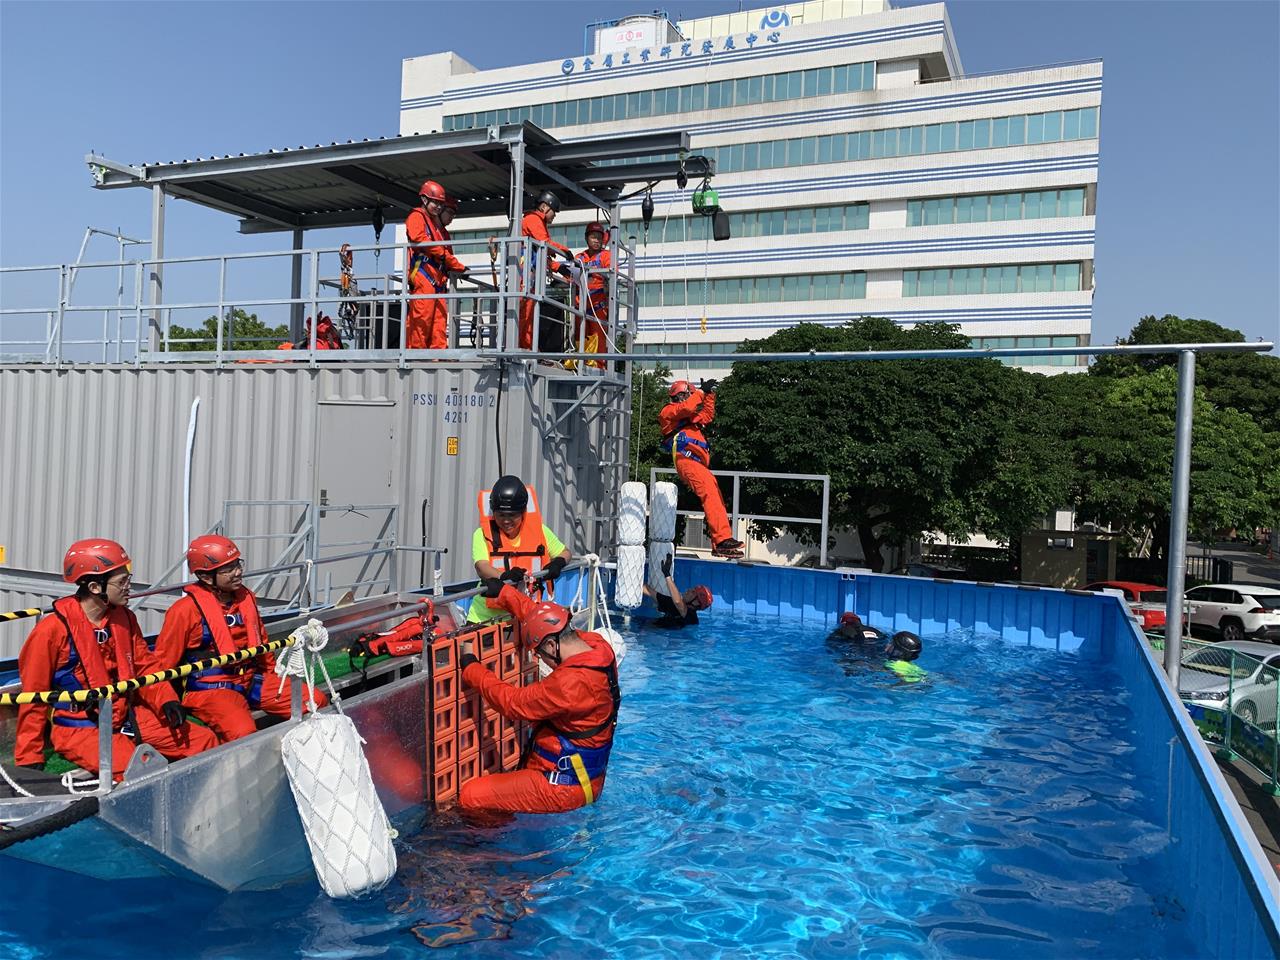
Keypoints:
(902, 650)
(851, 629)
(678, 610)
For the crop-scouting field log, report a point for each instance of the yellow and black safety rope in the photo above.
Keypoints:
(21, 614)
(125, 686)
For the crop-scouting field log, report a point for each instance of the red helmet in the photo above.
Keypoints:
(850, 619)
(703, 596)
(93, 557)
(544, 621)
(595, 226)
(208, 553)
(432, 191)
(451, 203)
(679, 387)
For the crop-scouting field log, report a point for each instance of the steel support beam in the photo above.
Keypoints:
(231, 201)
(389, 190)
(1175, 581)
(695, 167)
(567, 184)
(156, 277)
(295, 289)
(610, 148)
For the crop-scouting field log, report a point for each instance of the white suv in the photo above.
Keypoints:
(1237, 611)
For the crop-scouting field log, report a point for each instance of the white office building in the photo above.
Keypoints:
(865, 174)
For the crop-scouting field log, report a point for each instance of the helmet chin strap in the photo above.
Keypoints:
(552, 656)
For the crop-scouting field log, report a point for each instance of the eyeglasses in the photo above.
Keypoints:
(235, 566)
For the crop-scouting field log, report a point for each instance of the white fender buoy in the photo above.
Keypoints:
(659, 550)
(632, 507)
(628, 587)
(346, 827)
(662, 517)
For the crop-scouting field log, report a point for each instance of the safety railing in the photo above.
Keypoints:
(735, 513)
(1233, 697)
(44, 317)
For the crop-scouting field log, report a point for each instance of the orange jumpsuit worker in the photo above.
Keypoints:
(574, 712)
(92, 640)
(430, 263)
(535, 225)
(596, 257)
(681, 422)
(216, 616)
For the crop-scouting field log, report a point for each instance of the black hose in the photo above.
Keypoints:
(72, 813)
(422, 563)
(497, 431)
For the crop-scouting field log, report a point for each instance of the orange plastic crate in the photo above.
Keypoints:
(444, 656)
(444, 687)
(468, 768)
(487, 642)
(508, 665)
(468, 741)
(510, 747)
(490, 728)
(445, 722)
(470, 708)
(507, 639)
(491, 759)
(445, 787)
(445, 752)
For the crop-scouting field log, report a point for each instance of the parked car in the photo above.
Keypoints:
(1211, 675)
(1146, 600)
(937, 571)
(1236, 611)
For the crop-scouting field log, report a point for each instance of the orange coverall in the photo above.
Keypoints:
(45, 660)
(574, 698)
(230, 692)
(534, 225)
(430, 264)
(682, 437)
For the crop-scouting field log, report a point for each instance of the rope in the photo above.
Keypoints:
(12, 784)
(137, 683)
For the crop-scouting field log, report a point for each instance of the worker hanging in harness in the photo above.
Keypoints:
(574, 711)
(214, 617)
(512, 543)
(594, 259)
(681, 422)
(429, 265)
(535, 225)
(92, 639)
(677, 609)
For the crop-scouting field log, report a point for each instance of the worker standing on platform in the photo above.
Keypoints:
(574, 711)
(681, 422)
(594, 259)
(512, 542)
(217, 616)
(92, 640)
(429, 265)
(534, 225)
(447, 213)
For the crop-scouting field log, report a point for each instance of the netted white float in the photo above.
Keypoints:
(662, 514)
(346, 827)
(659, 550)
(632, 506)
(628, 586)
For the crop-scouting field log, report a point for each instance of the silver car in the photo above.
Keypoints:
(1210, 675)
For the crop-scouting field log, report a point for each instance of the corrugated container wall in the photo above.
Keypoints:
(100, 451)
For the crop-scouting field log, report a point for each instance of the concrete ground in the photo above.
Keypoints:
(1261, 809)
(1249, 566)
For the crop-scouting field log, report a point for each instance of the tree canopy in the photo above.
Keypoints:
(911, 446)
(241, 330)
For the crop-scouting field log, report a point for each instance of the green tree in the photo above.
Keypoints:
(648, 396)
(240, 331)
(1120, 431)
(911, 446)
(1248, 382)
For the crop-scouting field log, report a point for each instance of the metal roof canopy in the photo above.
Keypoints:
(344, 183)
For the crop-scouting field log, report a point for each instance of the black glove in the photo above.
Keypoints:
(555, 567)
(466, 660)
(174, 715)
(709, 386)
(515, 575)
(666, 565)
(492, 587)
(37, 767)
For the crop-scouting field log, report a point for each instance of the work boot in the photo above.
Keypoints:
(727, 548)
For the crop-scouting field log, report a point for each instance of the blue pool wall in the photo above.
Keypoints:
(1227, 887)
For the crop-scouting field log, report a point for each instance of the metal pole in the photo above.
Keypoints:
(1175, 581)
(106, 717)
(295, 289)
(822, 535)
(157, 268)
(62, 314)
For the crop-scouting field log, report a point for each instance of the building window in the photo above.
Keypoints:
(998, 206)
(972, 281)
(717, 95)
(738, 290)
(1010, 343)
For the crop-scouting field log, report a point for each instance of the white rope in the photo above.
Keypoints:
(9, 780)
(71, 778)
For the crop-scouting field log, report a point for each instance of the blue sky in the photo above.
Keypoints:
(1188, 209)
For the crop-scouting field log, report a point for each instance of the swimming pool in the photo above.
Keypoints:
(770, 796)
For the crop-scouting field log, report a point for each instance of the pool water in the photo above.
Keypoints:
(770, 795)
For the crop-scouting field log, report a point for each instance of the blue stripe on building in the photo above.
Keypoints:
(1076, 312)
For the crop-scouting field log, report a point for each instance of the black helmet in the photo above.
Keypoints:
(508, 496)
(905, 645)
(550, 199)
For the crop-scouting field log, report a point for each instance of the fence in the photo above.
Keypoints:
(1233, 697)
(735, 513)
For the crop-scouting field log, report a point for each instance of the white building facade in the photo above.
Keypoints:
(864, 174)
